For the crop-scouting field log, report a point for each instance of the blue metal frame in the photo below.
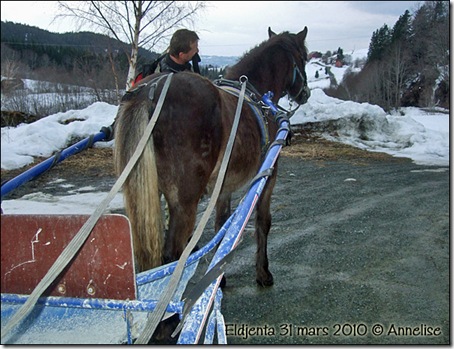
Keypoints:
(91, 303)
(35, 171)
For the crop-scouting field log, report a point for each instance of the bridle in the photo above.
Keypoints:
(303, 77)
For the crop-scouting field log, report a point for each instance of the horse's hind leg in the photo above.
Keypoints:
(182, 217)
(262, 226)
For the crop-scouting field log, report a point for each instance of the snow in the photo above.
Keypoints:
(73, 203)
(420, 135)
(50, 134)
(412, 132)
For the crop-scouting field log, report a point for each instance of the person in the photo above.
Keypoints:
(183, 50)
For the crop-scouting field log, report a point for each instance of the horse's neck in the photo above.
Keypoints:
(263, 81)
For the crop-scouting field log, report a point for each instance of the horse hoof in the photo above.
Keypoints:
(265, 282)
(164, 331)
(223, 282)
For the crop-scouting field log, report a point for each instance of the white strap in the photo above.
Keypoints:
(155, 317)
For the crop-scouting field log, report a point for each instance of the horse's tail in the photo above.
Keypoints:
(141, 193)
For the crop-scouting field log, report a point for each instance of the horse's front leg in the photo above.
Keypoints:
(223, 212)
(262, 225)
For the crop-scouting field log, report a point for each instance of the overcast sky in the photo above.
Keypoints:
(230, 28)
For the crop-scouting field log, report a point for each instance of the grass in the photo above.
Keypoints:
(311, 146)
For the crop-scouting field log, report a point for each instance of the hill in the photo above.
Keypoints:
(74, 58)
(218, 61)
(16, 35)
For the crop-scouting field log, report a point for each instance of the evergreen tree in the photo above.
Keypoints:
(402, 29)
(379, 43)
(340, 54)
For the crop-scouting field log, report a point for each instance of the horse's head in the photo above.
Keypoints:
(276, 65)
(296, 86)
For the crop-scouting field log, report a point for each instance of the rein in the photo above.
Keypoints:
(296, 73)
(288, 112)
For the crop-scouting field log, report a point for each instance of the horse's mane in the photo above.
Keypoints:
(248, 61)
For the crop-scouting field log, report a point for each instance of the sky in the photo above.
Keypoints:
(230, 28)
(412, 133)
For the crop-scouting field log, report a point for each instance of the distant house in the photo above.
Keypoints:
(10, 84)
(339, 63)
(314, 54)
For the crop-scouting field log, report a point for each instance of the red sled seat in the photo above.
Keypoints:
(103, 267)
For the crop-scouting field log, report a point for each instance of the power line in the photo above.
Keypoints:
(56, 45)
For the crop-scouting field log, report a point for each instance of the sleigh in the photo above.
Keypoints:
(99, 298)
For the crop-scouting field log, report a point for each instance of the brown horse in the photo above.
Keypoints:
(183, 157)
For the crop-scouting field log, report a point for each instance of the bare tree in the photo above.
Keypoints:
(139, 23)
(10, 68)
(9, 76)
(398, 71)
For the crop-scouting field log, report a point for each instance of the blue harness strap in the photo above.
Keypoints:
(259, 116)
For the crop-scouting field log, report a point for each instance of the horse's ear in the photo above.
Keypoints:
(302, 35)
(270, 33)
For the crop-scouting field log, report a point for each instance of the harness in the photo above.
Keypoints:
(252, 97)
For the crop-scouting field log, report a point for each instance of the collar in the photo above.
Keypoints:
(167, 64)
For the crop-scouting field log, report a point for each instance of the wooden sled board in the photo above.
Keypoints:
(103, 267)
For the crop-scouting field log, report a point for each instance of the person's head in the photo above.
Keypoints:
(184, 45)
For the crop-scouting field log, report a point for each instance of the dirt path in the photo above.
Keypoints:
(359, 244)
(95, 165)
(352, 246)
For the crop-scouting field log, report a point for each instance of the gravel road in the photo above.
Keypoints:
(359, 249)
(352, 246)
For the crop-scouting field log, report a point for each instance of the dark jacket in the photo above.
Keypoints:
(168, 65)
(165, 64)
